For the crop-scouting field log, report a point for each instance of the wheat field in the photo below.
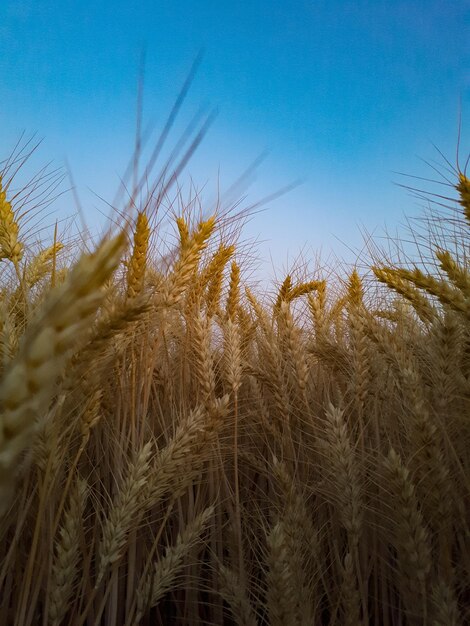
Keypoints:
(178, 447)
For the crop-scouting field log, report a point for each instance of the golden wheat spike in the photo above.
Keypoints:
(10, 247)
(42, 264)
(463, 187)
(163, 578)
(187, 264)
(355, 289)
(283, 291)
(442, 290)
(138, 261)
(67, 554)
(233, 299)
(183, 231)
(456, 272)
(303, 289)
(421, 304)
(127, 504)
(214, 277)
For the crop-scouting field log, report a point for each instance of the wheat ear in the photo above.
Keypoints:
(410, 535)
(180, 460)
(233, 298)
(187, 264)
(10, 246)
(457, 274)
(351, 600)
(128, 504)
(421, 304)
(214, 278)
(444, 605)
(463, 187)
(28, 386)
(158, 582)
(65, 564)
(344, 474)
(282, 595)
(234, 594)
(42, 264)
(138, 260)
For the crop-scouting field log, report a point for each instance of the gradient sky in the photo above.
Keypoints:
(342, 93)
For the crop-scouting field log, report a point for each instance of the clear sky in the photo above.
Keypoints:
(342, 93)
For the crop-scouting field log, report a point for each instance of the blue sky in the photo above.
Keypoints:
(341, 93)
